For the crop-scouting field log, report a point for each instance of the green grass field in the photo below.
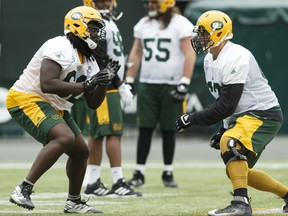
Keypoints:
(202, 186)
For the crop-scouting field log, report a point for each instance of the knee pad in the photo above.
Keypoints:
(233, 153)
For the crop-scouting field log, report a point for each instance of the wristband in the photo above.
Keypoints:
(130, 79)
(185, 80)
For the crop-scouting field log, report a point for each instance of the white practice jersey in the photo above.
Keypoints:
(236, 65)
(162, 59)
(60, 50)
(115, 45)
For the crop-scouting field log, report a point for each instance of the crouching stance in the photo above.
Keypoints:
(245, 105)
(62, 70)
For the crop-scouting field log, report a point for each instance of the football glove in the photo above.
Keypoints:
(180, 92)
(215, 140)
(103, 77)
(125, 94)
(183, 122)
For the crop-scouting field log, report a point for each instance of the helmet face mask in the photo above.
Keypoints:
(81, 20)
(97, 34)
(202, 41)
(212, 28)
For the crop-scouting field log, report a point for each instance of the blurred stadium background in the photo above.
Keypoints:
(259, 25)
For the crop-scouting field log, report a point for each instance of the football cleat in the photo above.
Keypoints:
(79, 207)
(236, 208)
(21, 196)
(137, 180)
(122, 189)
(168, 180)
(97, 189)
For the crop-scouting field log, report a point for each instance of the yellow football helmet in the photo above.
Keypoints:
(165, 5)
(86, 23)
(212, 28)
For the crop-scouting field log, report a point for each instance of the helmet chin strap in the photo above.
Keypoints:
(91, 44)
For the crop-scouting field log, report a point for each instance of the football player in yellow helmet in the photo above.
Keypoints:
(105, 127)
(245, 106)
(62, 70)
(212, 28)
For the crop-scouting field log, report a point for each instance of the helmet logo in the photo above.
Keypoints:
(76, 15)
(217, 25)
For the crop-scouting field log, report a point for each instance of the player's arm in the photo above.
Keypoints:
(190, 57)
(95, 98)
(223, 107)
(134, 60)
(181, 90)
(50, 80)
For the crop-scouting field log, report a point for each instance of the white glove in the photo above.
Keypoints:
(125, 94)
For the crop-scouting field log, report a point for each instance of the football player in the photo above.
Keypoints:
(245, 103)
(162, 48)
(63, 69)
(106, 123)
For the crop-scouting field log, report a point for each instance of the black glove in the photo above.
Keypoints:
(103, 77)
(215, 140)
(183, 122)
(180, 92)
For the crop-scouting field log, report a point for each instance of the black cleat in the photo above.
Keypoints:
(137, 180)
(97, 189)
(168, 180)
(122, 189)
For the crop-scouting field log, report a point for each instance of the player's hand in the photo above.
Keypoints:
(215, 140)
(103, 77)
(125, 94)
(183, 122)
(180, 92)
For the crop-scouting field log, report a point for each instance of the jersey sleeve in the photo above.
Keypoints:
(58, 51)
(139, 26)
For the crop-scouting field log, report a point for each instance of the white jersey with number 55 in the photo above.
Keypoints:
(162, 59)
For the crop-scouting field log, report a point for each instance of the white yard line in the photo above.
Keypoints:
(183, 165)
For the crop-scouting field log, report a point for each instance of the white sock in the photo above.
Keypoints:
(117, 173)
(141, 168)
(93, 172)
(168, 168)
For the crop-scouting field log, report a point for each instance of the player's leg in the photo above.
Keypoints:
(99, 123)
(75, 169)
(167, 126)
(249, 135)
(147, 116)
(47, 126)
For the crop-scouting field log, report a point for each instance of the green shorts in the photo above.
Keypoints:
(108, 118)
(254, 132)
(156, 105)
(80, 116)
(36, 116)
